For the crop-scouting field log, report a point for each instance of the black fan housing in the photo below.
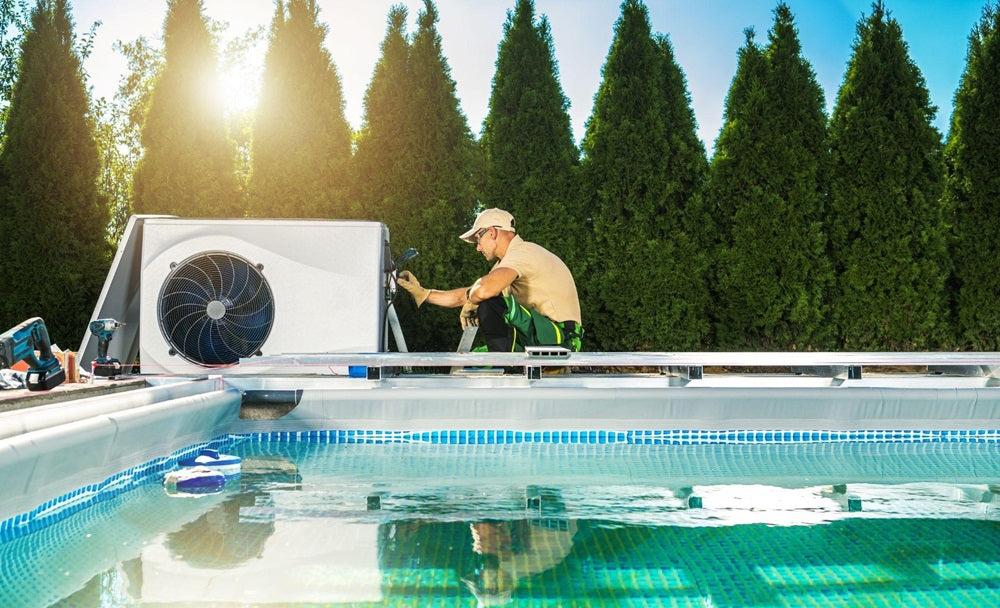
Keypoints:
(215, 308)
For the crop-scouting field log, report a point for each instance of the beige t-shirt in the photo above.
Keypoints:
(543, 281)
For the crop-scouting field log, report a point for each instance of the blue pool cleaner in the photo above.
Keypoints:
(223, 463)
(194, 480)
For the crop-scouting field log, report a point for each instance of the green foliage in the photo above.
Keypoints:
(973, 188)
(384, 159)
(301, 140)
(734, 167)
(423, 185)
(527, 138)
(240, 122)
(54, 254)
(767, 183)
(188, 165)
(118, 162)
(14, 17)
(119, 129)
(442, 185)
(636, 220)
(644, 286)
(885, 223)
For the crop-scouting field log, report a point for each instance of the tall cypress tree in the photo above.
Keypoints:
(383, 156)
(685, 176)
(442, 185)
(301, 140)
(527, 138)
(686, 153)
(644, 290)
(54, 252)
(973, 187)
(886, 223)
(768, 169)
(734, 166)
(188, 167)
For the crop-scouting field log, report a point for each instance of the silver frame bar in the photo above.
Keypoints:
(629, 359)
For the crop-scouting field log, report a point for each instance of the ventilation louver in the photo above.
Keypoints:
(215, 308)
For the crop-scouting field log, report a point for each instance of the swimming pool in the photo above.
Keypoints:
(334, 520)
(634, 489)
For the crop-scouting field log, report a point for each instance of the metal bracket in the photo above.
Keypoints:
(547, 352)
(534, 372)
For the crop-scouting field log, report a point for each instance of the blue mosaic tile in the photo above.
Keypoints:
(640, 437)
(61, 507)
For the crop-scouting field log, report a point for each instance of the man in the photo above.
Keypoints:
(528, 299)
(514, 550)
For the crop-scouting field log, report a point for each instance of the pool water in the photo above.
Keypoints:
(408, 524)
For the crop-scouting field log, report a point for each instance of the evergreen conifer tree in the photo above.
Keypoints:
(188, 167)
(301, 140)
(767, 173)
(441, 180)
(644, 286)
(731, 173)
(527, 139)
(384, 147)
(885, 221)
(54, 252)
(973, 188)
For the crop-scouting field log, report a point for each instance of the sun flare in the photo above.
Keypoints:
(241, 39)
(238, 85)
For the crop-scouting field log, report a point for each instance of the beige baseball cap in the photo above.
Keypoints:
(491, 218)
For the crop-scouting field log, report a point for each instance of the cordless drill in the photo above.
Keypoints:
(103, 365)
(20, 343)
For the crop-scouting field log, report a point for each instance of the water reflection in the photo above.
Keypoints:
(220, 538)
(541, 557)
(510, 551)
(302, 529)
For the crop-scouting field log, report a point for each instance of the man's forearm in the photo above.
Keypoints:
(451, 298)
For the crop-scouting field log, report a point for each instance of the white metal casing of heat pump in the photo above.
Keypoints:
(327, 278)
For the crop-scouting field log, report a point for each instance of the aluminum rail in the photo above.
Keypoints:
(629, 359)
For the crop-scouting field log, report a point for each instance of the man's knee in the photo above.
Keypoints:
(492, 311)
(498, 336)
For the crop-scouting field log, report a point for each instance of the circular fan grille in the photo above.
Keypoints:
(215, 308)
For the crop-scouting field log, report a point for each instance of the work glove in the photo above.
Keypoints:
(407, 281)
(469, 316)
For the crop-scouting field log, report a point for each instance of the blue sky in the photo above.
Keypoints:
(705, 34)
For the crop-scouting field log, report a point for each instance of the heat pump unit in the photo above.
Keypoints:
(215, 292)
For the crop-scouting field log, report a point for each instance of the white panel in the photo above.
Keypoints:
(326, 277)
